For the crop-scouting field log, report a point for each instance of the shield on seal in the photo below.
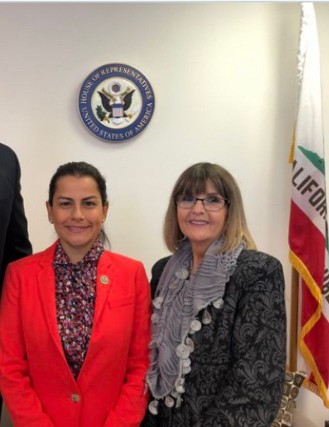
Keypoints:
(117, 110)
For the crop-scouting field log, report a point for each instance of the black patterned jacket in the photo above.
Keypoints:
(238, 365)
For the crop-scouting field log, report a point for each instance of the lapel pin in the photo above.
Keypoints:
(104, 280)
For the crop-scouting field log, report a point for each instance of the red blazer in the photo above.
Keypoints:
(35, 380)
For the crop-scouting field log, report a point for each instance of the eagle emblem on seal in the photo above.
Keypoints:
(116, 102)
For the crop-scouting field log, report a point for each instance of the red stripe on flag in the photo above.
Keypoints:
(307, 243)
(317, 341)
(309, 304)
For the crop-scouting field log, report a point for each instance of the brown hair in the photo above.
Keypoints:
(194, 181)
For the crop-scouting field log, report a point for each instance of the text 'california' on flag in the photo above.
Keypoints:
(308, 236)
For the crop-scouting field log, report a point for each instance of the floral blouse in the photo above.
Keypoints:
(75, 289)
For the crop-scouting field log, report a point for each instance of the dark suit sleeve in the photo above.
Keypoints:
(251, 392)
(17, 244)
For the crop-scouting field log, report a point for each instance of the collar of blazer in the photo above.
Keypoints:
(106, 273)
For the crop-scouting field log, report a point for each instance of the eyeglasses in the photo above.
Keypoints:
(210, 203)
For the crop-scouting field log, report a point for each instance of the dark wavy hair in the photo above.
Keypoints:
(78, 169)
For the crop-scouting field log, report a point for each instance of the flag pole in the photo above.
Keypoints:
(294, 310)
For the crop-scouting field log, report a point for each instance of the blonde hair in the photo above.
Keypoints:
(194, 181)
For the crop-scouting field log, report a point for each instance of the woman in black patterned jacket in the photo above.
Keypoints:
(218, 347)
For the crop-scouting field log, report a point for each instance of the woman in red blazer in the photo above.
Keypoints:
(74, 321)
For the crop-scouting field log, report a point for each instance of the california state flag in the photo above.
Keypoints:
(308, 237)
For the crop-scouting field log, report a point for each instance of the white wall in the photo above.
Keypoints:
(224, 81)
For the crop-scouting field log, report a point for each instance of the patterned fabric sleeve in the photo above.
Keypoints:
(252, 387)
